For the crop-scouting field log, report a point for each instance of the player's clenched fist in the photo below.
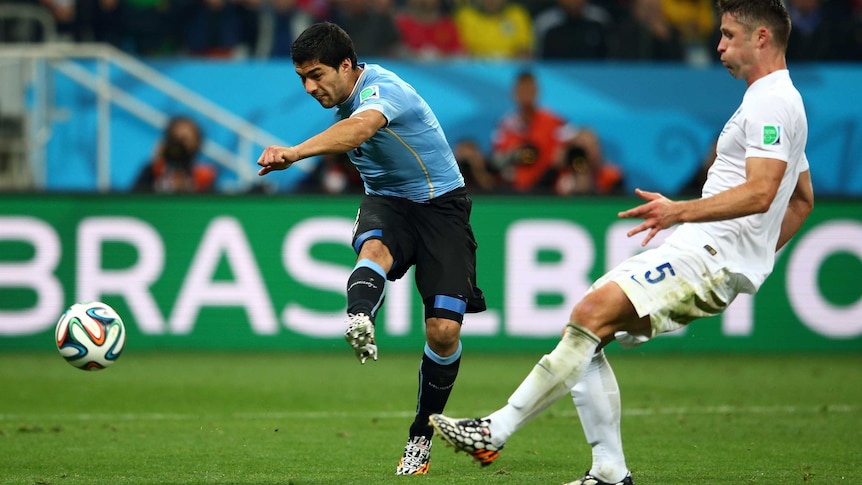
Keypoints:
(276, 158)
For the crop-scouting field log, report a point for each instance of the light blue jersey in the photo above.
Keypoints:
(410, 156)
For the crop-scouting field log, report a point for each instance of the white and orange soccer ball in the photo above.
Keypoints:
(90, 335)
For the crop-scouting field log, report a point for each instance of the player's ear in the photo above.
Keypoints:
(347, 65)
(764, 36)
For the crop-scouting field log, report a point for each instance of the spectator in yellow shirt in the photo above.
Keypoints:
(694, 18)
(696, 21)
(497, 29)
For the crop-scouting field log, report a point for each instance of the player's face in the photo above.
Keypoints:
(736, 47)
(328, 86)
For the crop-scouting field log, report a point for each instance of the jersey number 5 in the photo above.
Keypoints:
(661, 273)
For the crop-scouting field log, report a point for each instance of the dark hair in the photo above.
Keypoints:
(179, 119)
(525, 75)
(754, 13)
(174, 150)
(324, 42)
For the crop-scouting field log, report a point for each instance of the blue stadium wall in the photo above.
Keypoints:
(656, 121)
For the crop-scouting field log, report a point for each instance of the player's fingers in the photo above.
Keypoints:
(642, 211)
(262, 160)
(643, 194)
(633, 212)
(638, 229)
(649, 236)
(265, 170)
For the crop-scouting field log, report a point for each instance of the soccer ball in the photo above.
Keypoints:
(90, 335)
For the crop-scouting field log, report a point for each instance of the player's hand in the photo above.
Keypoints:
(276, 158)
(658, 213)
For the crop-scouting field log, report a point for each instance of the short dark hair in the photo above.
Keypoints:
(525, 75)
(754, 13)
(324, 42)
(176, 120)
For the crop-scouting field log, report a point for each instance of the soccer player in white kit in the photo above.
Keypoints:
(756, 196)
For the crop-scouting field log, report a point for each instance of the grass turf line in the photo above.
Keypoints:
(286, 418)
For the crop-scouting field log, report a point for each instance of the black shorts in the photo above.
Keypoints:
(435, 236)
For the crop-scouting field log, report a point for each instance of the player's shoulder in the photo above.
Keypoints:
(379, 74)
(775, 87)
(778, 97)
(387, 81)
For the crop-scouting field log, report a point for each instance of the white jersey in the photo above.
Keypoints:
(770, 123)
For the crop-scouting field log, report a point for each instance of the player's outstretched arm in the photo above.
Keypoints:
(341, 137)
(755, 195)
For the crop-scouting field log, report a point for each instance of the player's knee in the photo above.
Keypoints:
(375, 250)
(443, 317)
(442, 335)
(588, 314)
(373, 247)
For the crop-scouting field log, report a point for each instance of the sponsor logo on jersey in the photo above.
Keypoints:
(370, 92)
(772, 134)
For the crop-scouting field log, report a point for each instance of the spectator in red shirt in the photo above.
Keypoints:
(580, 174)
(427, 32)
(527, 141)
(175, 167)
(535, 150)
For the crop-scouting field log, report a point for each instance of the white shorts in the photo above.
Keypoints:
(674, 285)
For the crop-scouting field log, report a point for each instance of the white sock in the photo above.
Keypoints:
(597, 397)
(550, 379)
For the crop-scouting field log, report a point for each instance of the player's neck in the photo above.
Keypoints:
(766, 67)
(357, 75)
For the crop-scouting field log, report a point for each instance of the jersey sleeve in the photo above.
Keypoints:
(384, 97)
(803, 166)
(768, 129)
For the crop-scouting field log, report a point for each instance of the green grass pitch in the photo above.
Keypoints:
(287, 418)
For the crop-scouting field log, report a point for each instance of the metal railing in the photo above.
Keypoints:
(38, 60)
(27, 24)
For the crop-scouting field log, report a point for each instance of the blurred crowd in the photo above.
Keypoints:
(532, 149)
(645, 30)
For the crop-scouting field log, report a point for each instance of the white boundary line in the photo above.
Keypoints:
(262, 416)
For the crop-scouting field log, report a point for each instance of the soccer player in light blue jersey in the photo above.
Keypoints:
(416, 211)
